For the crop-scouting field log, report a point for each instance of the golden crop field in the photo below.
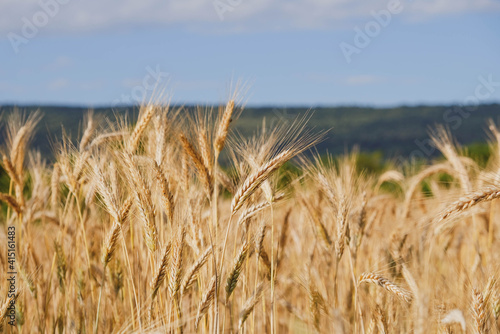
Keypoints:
(139, 229)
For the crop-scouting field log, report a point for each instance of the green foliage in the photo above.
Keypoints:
(4, 181)
(445, 179)
(394, 131)
(426, 189)
(479, 152)
(288, 173)
(371, 163)
(4, 188)
(392, 188)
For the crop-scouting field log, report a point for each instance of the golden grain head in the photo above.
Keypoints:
(152, 228)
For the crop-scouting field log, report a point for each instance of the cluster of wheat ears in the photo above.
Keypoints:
(139, 228)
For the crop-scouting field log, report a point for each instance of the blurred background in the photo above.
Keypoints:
(379, 72)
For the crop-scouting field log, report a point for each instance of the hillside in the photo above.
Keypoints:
(397, 132)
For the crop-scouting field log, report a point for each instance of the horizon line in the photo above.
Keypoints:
(246, 106)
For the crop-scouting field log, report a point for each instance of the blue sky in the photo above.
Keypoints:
(92, 53)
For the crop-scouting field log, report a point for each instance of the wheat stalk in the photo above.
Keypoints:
(327, 189)
(5, 308)
(141, 125)
(249, 305)
(106, 138)
(316, 304)
(9, 168)
(125, 209)
(62, 266)
(234, 274)
(417, 179)
(161, 272)
(203, 170)
(176, 263)
(321, 229)
(382, 324)
(222, 130)
(206, 301)
(259, 241)
(386, 284)
(111, 242)
(253, 181)
(20, 140)
(168, 197)
(254, 209)
(468, 201)
(342, 226)
(107, 194)
(89, 131)
(78, 168)
(194, 269)
(490, 288)
(54, 186)
(390, 175)
(495, 305)
(109, 250)
(206, 155)
(479, 311)
(443, 141)
(144, 202)
(16, 178)
(12, 202)
(225, 181)
(28, 280)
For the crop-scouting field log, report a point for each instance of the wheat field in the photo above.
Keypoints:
(140, 228)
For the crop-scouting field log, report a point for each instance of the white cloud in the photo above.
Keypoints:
(96, 15)
(8, 87)
(58, 63)
(58, 84)
(131, 82)
(440, 7)
(92, 85)
(358, 80)
(188, 85)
